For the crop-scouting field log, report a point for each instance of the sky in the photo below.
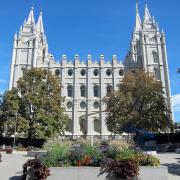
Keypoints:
(91, 27)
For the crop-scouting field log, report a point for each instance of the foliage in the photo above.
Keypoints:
(147, 160)
(81, 153)
(38, 104)
(41, 172)
(9, 117)
(118, 144)
(56, 155)
(139, 103)
(125, 169)
(126, 154)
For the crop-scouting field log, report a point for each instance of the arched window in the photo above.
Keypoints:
(96, 91)
(70, 91)
(157, 74)
(83, 90)
(109, 89)
(97, 125)
(155, 57)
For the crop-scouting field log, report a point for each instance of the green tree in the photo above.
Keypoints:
(35, 107)
(9, 114)
(139, 103)
(41, 103)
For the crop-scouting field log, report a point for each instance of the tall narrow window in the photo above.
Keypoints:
(157, 74)
(83, 91)
(96, 91)
(70, 91)
(109, 89)
(43, 55)
(155, 57)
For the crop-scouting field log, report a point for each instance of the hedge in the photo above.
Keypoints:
(25, 142)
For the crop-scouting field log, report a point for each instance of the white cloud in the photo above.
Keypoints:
(176, 102)
(3, 81)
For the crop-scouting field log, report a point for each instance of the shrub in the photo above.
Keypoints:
(94, 153)
(126, 154)
(147, 160)
(41, 172)
(56, 155)
(125, 169)
(119, 145)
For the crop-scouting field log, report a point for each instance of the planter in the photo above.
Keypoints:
(91, 173)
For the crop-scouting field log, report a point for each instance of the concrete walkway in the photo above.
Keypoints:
(11, 166)
(172, 161)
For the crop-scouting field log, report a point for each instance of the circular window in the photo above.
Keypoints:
(69, 104)
(57, 72)
(83, 105)
(96, 104)
(70, 72)
(121, 72)
(83, 72)
(96, 72)
(108, 72)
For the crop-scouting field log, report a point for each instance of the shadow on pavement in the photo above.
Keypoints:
(173, 168)
(16, 178)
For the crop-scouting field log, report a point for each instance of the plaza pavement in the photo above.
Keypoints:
(11, 165)
(172, 161)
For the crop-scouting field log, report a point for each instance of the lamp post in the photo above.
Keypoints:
(15, 127)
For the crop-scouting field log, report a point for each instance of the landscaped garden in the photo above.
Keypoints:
(116, 158)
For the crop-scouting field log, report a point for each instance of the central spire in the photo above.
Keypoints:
(137, 8)
(39, 25)
(138, 19)
(31, 17)
(147, 16)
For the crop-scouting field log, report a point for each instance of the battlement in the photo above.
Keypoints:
(88, 62)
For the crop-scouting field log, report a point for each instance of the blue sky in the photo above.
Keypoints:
(91, 27)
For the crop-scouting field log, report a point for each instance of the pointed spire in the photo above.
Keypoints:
(147, 16)
(24, 21)
(21, 28)
(15, 35)
(39, 25)
(138, 19)
(31, 17)
(163, 32)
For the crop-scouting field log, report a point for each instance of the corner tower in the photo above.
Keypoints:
(29, 48)
(148, 50)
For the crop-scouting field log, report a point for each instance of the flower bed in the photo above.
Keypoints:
(115, 160)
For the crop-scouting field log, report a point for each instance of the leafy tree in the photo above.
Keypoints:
(41, 103)
(138, 103)
(34, 107)
(9, 117)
